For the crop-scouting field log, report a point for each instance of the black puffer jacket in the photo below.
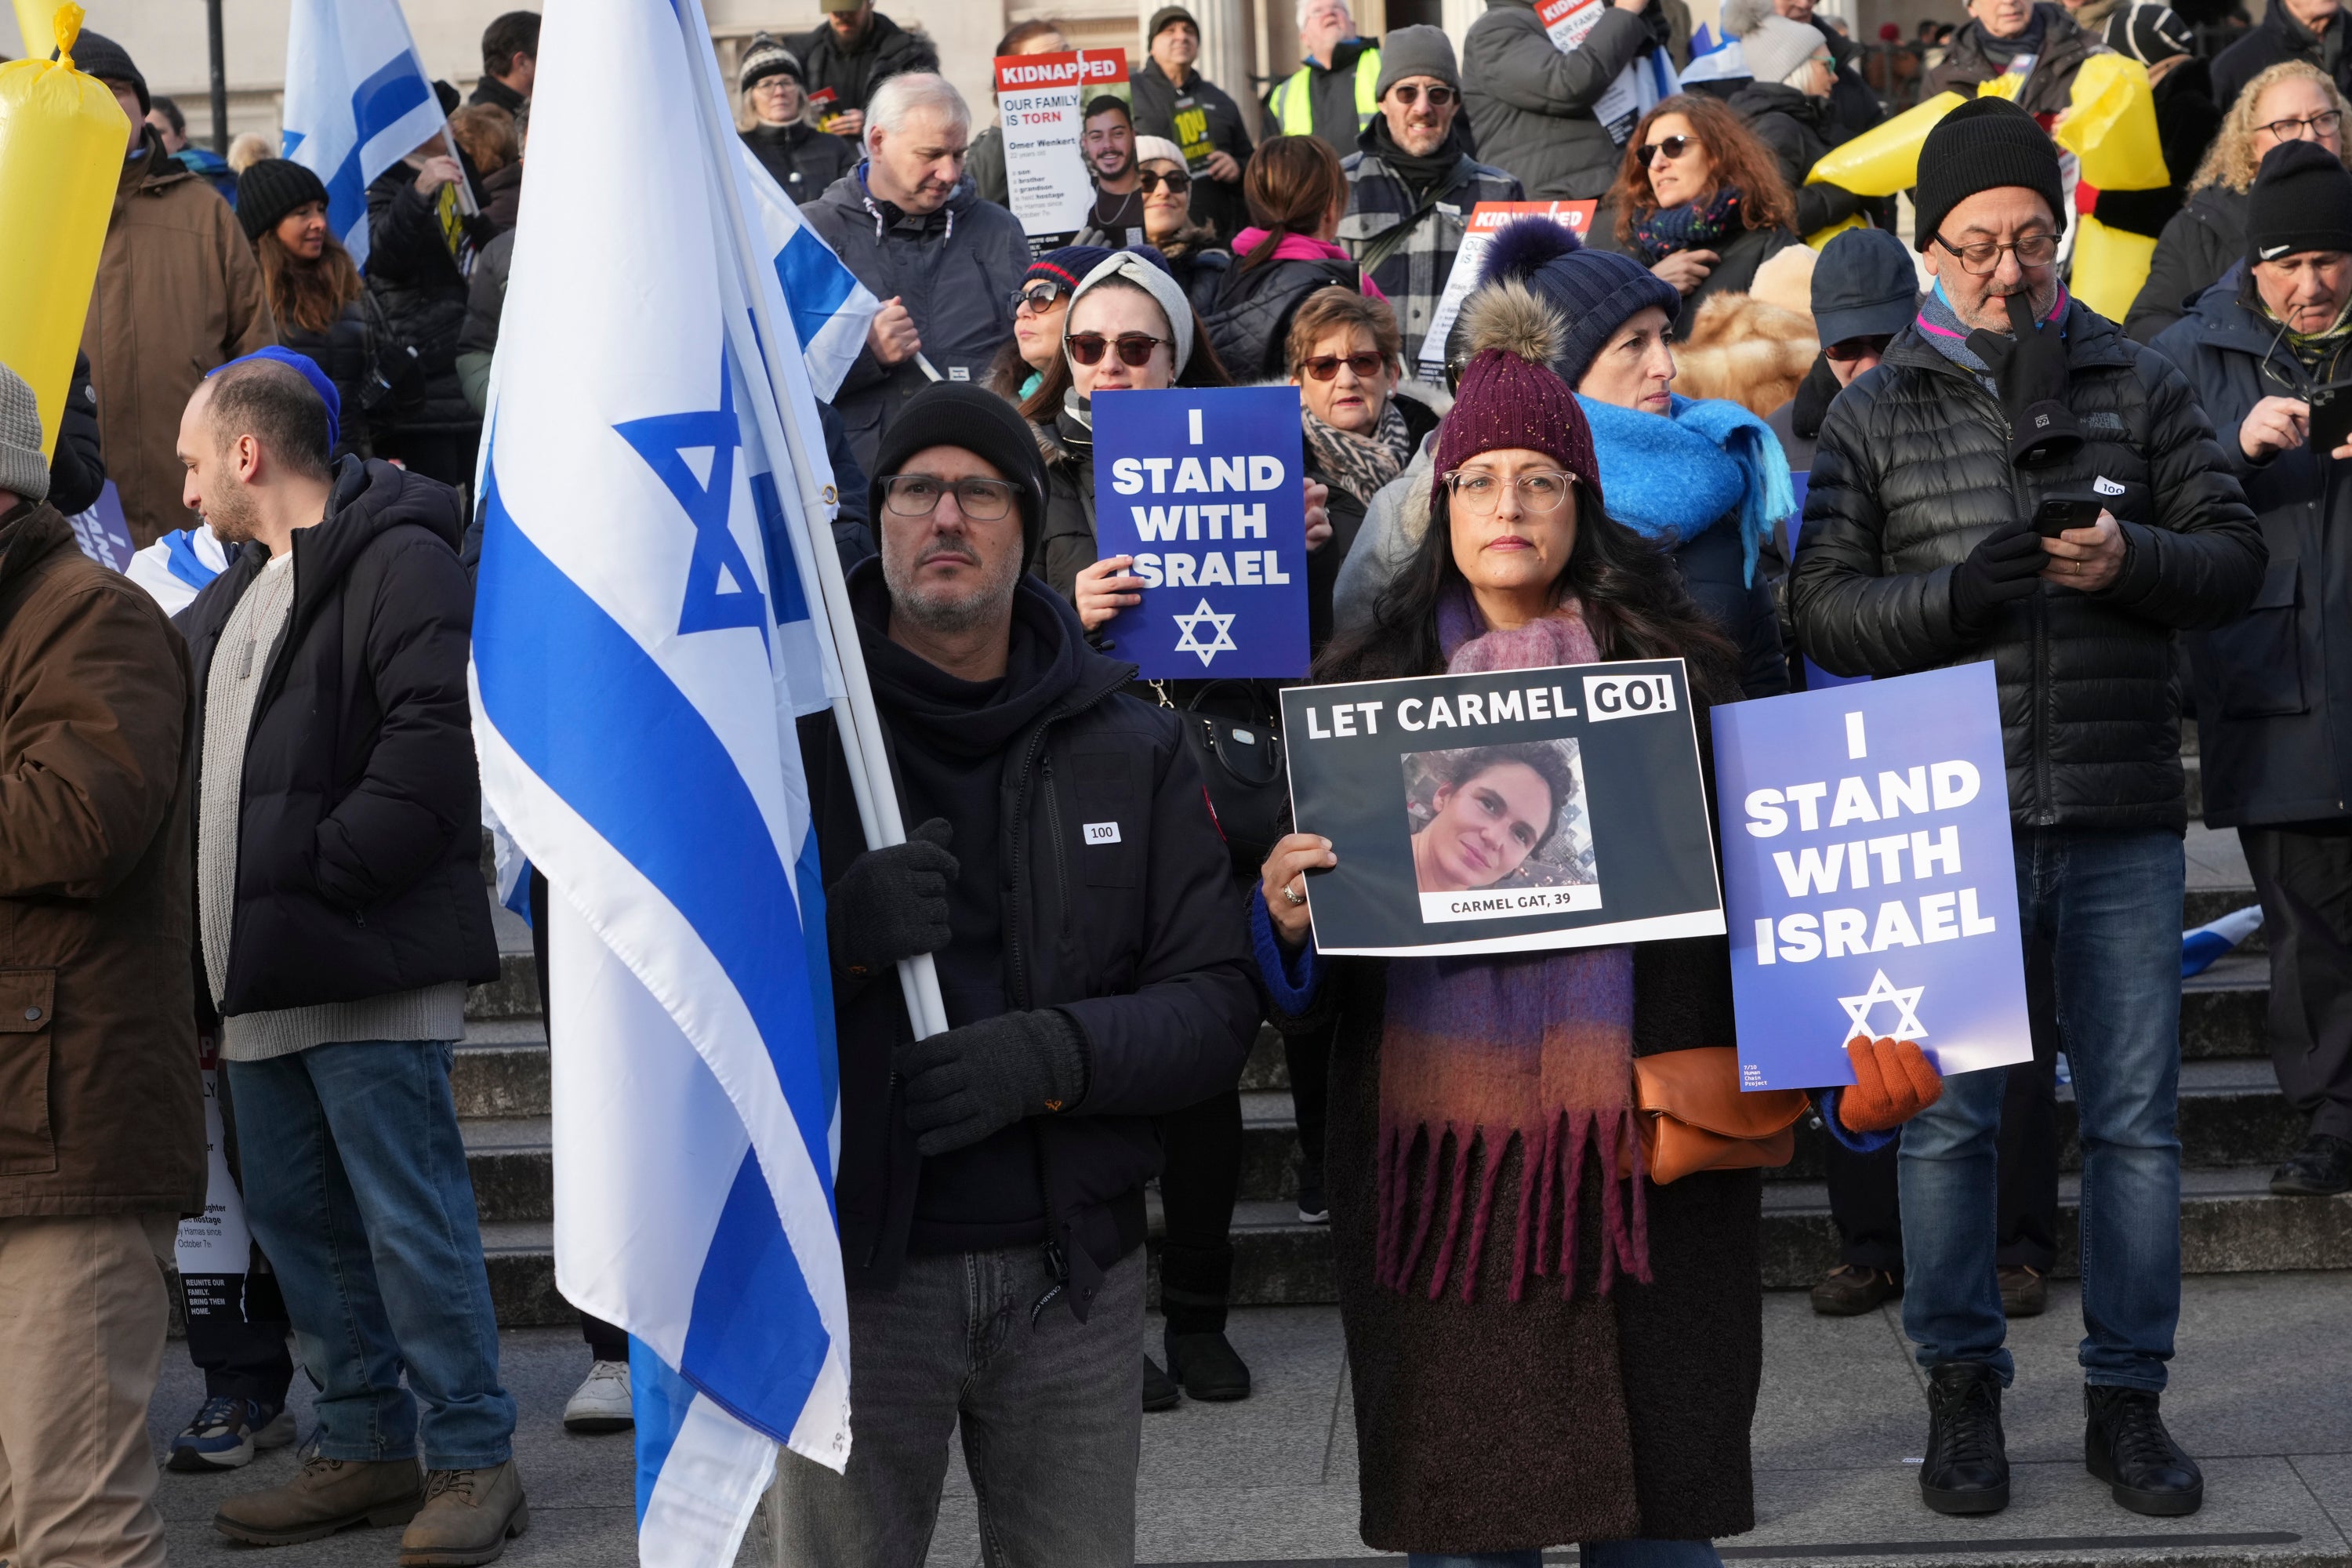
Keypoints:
(1251, 326)
(1798, 127)
(358, 870)
(422, 295)
(1141, 943)
(885, 51)
(2205, 238)
(2268, 682)
(1913, 470)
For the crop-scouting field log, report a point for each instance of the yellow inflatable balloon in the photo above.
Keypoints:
(1822, 236)
(33, 21)
(1881, 162)
(62, 138)
(2110, 267)
(2110, 125)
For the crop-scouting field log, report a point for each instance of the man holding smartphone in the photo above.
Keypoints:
(2264, 348)
(1920, 549)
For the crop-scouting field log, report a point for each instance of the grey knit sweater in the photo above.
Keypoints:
(231, 687)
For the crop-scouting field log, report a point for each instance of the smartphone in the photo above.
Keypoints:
(2331, 416)
(2063, 510)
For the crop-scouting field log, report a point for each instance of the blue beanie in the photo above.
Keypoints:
(308, 369)
(1068, 265)
(1595, 291)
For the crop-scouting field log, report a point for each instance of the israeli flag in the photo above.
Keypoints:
(358, 101)
(830, 308)
(175, 568)
(643, 643)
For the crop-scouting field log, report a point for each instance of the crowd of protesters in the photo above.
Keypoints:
(258, 823)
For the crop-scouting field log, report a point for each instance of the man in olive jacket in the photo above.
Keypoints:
(1920, 551)
(101, 1112)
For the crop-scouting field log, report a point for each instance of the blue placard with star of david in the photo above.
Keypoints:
(1204, 488)
(1867, 877)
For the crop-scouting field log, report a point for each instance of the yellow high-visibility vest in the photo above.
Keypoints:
(1294, 104)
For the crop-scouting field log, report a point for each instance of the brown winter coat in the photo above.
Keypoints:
(179, 295)
(102, 1110)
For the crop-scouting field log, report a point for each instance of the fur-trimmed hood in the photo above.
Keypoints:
(1742, 349)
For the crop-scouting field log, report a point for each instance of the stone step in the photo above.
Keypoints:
(513, 994)
(2222, 1009)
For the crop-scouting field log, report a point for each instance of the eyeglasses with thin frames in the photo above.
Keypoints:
(919, 495)
(1981, 257)
(1541, 491)
(1134, 348)
(2319, 126)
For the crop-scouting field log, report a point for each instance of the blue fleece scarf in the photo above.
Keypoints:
(1671, 478)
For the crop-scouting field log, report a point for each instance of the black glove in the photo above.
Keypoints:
(892, 903)
(2030, 368)
(963, 1085)
(2005, 565)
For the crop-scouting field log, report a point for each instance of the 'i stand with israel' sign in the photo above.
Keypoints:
(1868, 876)
(1202, 488)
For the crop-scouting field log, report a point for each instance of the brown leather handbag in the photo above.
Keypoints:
(1690, 1114)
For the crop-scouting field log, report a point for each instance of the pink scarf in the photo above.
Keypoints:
(1302, 247)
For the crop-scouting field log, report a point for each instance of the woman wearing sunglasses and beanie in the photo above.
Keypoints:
(1566, 1353)
(1698, 201)
(1038, 305)
(1194, 254)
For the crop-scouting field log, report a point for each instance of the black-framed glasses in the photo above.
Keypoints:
(1870, 346)
(1410, 92)
(1134, 348)
(1981, 257)
(1038, 295)
(1177, 181)
(1673, 147)
(1324, 367)
(2325, 124)
(919, 495)
(1478, 492)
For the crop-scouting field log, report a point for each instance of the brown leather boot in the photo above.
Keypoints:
(467, 1518)
(327, 1496)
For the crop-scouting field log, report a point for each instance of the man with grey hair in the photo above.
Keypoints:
(1073, 891)
(1332, 93)
(942, 261)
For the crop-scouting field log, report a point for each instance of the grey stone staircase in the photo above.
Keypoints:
(2234, 1126)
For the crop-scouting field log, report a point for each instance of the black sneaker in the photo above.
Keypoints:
(1847, 1291)
(2321, 1168)
(2125, 1444)
(1966, 1467)
(1160, 1390)
(1313, 1208)
(1207, 1367)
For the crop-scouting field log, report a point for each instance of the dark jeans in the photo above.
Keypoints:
(1199, 1183)
(2105, 908)
(2303, 876)
(1051, 1415)
(240, 1345)
(1862, 1200)
(356, 1183)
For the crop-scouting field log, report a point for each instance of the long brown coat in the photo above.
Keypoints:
(179, 295)
(102, 1110)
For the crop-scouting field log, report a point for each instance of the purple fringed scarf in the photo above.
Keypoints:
(1478, 1051)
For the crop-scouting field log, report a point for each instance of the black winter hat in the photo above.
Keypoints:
(1982, 146)
(95, 54)
(270, 189)
(2301, 200)
(764, 56)
(953, 414)
(1167, 17)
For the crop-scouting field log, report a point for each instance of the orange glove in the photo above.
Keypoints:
(1894, 1081)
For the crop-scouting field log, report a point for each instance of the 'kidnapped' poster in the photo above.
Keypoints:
(1505, 812)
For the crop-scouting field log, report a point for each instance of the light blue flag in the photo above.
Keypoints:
(643, 643)
(358, 101)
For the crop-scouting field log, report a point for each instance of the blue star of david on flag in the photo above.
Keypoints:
(720, 591)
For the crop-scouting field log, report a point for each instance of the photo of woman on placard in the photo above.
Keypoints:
(1488, 814)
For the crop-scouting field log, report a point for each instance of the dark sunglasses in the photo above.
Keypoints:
(1408, 93)
(1323, 367)
(1671, 146)
(1152, 180)
(1039, 296)
(1859, 348)
(1134, 348)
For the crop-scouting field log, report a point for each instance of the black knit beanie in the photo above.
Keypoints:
(95, 54)
(2302, 200)
(1982, 146)
(270, 189)
(953, 414)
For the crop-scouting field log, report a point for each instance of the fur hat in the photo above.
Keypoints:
(1510, 396)
(1746, 350)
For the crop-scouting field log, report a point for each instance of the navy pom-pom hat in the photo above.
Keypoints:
(1595, 291)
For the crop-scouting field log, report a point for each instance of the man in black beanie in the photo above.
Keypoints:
(1921, 550)
(2258, 346)
(1073, 891)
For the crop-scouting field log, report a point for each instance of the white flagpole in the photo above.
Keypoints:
(855, 718)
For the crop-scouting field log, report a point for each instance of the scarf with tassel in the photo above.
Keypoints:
(1670, 477)
(1478, 1052)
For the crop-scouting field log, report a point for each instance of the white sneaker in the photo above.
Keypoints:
(601, 1402)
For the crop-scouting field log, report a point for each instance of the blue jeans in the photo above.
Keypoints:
(1592, 1554)
(2106, 908)
(355, 1183)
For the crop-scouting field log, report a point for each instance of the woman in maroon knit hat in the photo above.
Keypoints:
(1543, 1351)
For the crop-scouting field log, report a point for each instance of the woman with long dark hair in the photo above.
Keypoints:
(1570, 1352)
(1297, 194)
(315, 290)
(1698, 200)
